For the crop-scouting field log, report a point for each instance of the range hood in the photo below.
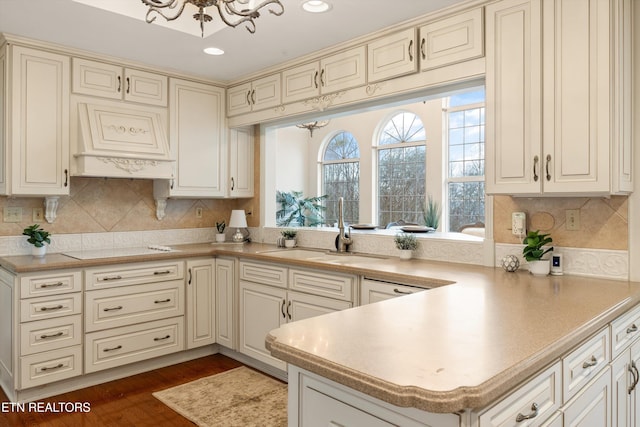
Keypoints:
(117, 140)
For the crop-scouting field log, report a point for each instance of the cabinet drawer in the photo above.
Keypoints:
(372, 290)
(50, 284)
(264, 274)
(55, 365)
(133, 274)
(116, 347)
(50, 307)
(583, 363)
(317, 283)
(541, 392)
(46, 335)
(109, 308)
(624, 330)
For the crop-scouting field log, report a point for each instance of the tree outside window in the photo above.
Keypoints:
(401, 169)
(341, 177)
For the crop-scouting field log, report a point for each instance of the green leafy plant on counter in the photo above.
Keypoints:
(220, 226)
(295, 209)
(37, 236)
(406, 241)
(534, 245)
(431, 213)
(289, 234)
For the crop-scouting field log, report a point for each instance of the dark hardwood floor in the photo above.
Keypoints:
(122, 403)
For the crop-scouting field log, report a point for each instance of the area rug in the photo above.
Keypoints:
(240, 397)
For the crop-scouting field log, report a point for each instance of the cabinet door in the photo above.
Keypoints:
(513, 97)
(241, 162)
(239, 99)
(343, 70)
(592, 406)
(39, 134)
(392, 56)
(196, 139)
(622, 377)
(262, 309)
(145, 87)
(265, 92)
(303, 306)
(301, 82)
(97, 79)
(201, 303)
(576, 96)
(225, 313)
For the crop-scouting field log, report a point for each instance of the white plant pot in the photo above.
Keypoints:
(220, 237)
(406, 253)
(540, 268)
(39, 252)
(289, 243)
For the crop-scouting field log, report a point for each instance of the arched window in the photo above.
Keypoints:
(401, 169)
(341, 177)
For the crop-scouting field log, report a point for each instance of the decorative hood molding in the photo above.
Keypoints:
(117, 140)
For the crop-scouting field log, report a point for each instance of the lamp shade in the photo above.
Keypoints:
(238, 219)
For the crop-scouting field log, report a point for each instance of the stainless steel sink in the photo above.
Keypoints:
(316, 255)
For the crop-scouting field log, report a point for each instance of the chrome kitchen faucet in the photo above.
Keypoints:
(343, 241)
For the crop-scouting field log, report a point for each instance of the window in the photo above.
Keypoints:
(401, 169)
(465, 172)
(341, 177)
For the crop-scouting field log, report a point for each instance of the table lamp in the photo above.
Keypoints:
(238, 220)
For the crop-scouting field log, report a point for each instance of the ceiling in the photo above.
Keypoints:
(277, 38)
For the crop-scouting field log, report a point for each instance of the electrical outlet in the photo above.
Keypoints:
(572, 222)
(198, 212)
(37, 215)
(519, 223)
(12, 214)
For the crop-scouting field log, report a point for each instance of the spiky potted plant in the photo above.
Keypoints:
(37, 237)
(535, 248)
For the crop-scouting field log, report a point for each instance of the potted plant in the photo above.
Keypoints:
(534, 250)
(37, 237)
(220, 236)
(407, 243)
(431, 213)
(289, 237)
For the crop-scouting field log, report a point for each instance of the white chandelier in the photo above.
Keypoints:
(232, 12)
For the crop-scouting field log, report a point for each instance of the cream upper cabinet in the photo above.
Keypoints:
(253, 96)
(197, 141)
(115, 82)
(392, 56)
(241, 157)
(36, 131)
(453, 39)
(573, 111)
(333, 73)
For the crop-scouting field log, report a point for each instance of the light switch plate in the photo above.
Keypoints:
(12, 214)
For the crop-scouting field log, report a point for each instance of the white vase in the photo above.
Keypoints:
(220, 237)
(39, 252)
(540, 268)
(406, 253)
(289, 243)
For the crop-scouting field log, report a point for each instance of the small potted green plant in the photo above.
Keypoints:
(289, 237)
(220, 236)
(535, 248)
(37, 237)
(407, 243)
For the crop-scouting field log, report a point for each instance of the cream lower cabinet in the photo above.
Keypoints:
(624, 369)
(200, 312)
(271, 295)
(226, 311)
(373, 290)
(35, 134)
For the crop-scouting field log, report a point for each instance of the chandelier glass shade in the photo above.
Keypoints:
(232, 12)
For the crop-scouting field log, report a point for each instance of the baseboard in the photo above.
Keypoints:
(250, 361)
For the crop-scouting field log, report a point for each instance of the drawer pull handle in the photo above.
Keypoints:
(284, 316)
(288, 312)
(534, 413)
(51, 368)
(166, 337)
(159, 273)
(536, 159)
(45, 336)
(160, 301)
(105, 279)
(632, 328)
(635, 374)
(112, 348)
(547, 167)
(52, 285)
(398, 291)
(57, 307)
(112, 308)
(590, 363)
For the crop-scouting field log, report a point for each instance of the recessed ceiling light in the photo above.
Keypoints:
(213, 51)
(316, 6)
